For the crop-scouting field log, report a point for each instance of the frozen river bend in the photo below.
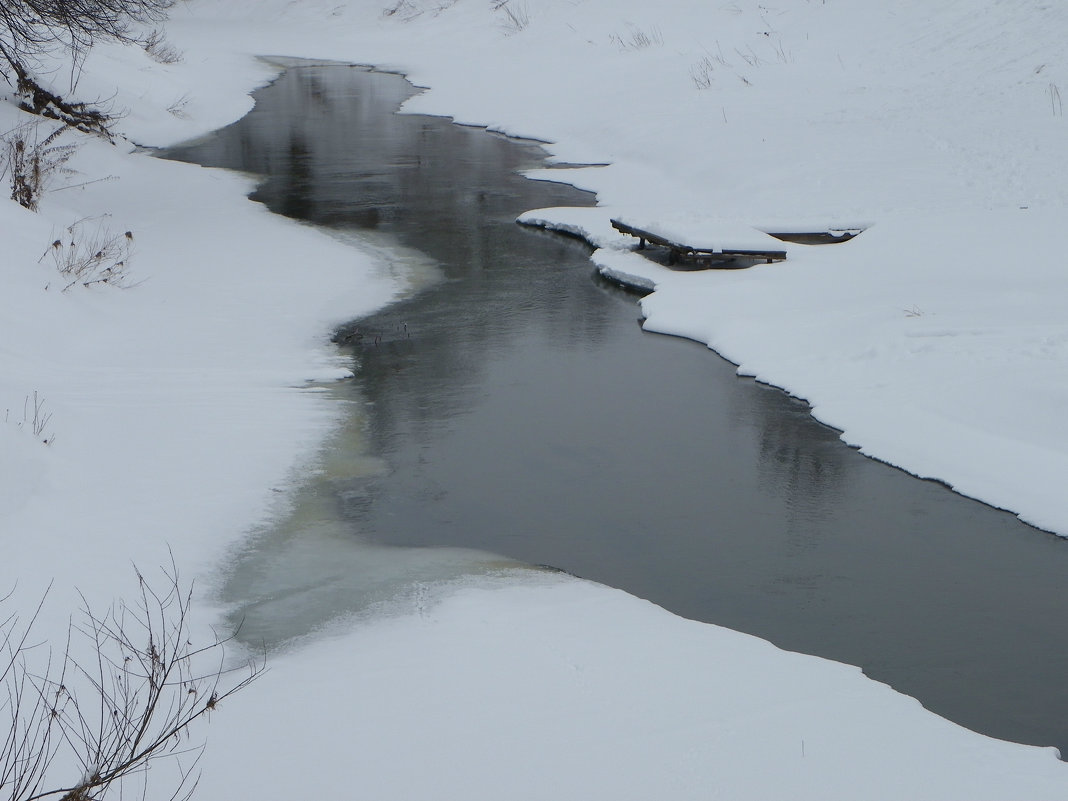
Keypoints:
(511, 405)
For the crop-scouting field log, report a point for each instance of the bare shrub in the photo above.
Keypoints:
(92, 255)
(516, 16)
(403, 10)
(125, 692)
(703, 73)
(35, 419)
(749, 56)
(177, 108)
(159, 50)
(782, 54)
(29, 28)
(32, 28)
(639, 39)
(32, 162)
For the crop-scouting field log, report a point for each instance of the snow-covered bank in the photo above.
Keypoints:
(173, 409)
(927, 341)
(556, 688)
(180, 404)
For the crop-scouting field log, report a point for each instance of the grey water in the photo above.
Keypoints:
(510, 411)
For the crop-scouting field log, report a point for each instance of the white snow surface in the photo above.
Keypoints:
(700, 232)
(180, 412)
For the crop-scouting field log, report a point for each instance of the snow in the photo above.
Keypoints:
(179, 413)
(701, 232)
(582, 692)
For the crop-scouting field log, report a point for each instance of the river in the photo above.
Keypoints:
(509, 411)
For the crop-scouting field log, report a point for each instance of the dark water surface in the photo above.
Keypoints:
(514, 407)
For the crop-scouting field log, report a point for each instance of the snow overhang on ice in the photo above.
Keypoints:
(701, 231)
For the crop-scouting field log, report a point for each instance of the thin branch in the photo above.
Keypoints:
(133, 702)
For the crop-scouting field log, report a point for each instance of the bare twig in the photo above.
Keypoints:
(132, 702)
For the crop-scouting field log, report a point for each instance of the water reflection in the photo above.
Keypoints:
(809, 470)
(515, 407)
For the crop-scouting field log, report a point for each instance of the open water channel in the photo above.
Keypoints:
(509, 411)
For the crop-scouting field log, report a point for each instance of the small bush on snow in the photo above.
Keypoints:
(34, 418)
(93, 256)
(159, 50)
(638, 39)
(516, 16)
(31, 162)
